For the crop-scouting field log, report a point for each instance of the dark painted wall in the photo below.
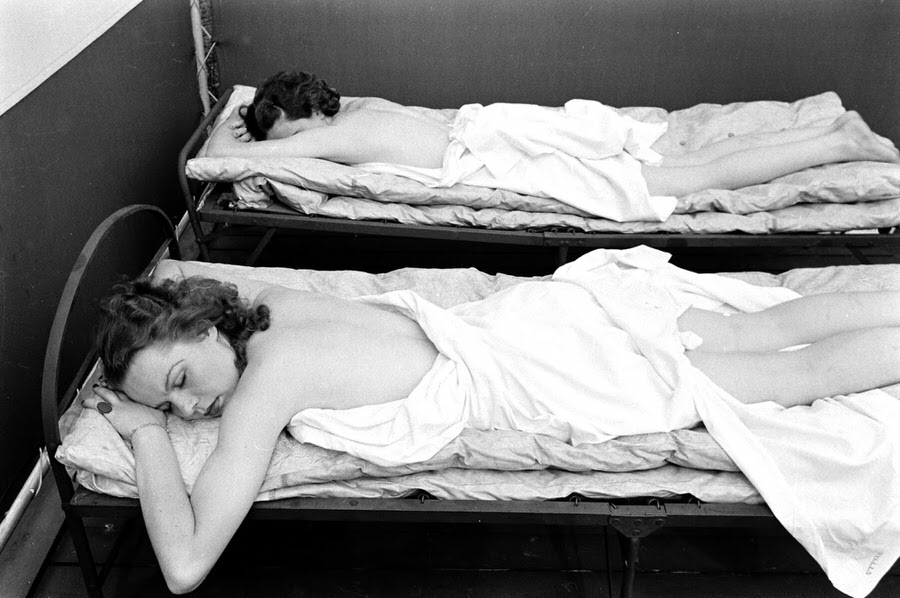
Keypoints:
(668, 53)
(101, 133)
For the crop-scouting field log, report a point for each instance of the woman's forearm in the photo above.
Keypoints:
(168, 512)
(222, 143)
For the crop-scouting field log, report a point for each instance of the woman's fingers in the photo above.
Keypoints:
(91, 402)
(240, 132)
(110, 395)
(104, 399)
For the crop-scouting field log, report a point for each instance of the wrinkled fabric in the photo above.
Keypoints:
(584, 154)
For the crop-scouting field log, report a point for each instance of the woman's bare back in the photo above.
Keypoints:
(389, 133)
(327, 352)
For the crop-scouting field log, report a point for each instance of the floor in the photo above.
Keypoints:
(388, 560)
(313, 559)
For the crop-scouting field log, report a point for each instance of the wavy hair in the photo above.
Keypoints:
(295, 94)
(140, 313)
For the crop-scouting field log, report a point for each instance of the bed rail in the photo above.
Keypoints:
(76, 301)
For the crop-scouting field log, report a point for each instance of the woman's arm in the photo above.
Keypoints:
(189, 532)
(350, 138)
(230, 140)
(226, 138)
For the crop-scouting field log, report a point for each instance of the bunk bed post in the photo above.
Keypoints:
(189, 150)
(263, 242)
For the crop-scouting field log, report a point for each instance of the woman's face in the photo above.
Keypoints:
(192, 378)
(284, 128)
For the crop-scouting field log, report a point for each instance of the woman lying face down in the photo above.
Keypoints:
(296, 114)
(259, 354)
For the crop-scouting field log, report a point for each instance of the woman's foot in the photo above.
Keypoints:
(863, 143)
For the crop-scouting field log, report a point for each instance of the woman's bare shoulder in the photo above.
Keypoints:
(295, 306)
(377, 109)
(349, 105)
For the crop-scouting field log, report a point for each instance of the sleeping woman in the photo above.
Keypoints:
(264, 357)
(299, 115)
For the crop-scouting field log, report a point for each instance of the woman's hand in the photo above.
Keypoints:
(237, 126)
(228, 136)
(125, 415)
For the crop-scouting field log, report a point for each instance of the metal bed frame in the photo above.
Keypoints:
(94, 272)
(202, 207)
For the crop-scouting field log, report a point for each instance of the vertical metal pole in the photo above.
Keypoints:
(631, 559)
(200, 55)
(85, 556)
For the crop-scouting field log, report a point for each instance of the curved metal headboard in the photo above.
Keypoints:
(52, 399)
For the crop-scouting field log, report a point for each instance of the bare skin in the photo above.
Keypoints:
(364, 130)
(746, 160)
(373, 130)
(323, 351)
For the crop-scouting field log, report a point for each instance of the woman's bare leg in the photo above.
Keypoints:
(738, 143)
(848, 362)
(851, 141)
(797, 322)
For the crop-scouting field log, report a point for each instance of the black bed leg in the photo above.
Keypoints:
(634, 523)
(633, 546)
(562, 255)
(85, 557)
(263, 242)
(204, 251)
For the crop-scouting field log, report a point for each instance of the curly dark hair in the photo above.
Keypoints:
(141, 312)
(296, 94)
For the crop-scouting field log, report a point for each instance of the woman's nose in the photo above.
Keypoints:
(187, 406)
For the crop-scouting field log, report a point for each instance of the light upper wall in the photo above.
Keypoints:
(37, 37)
